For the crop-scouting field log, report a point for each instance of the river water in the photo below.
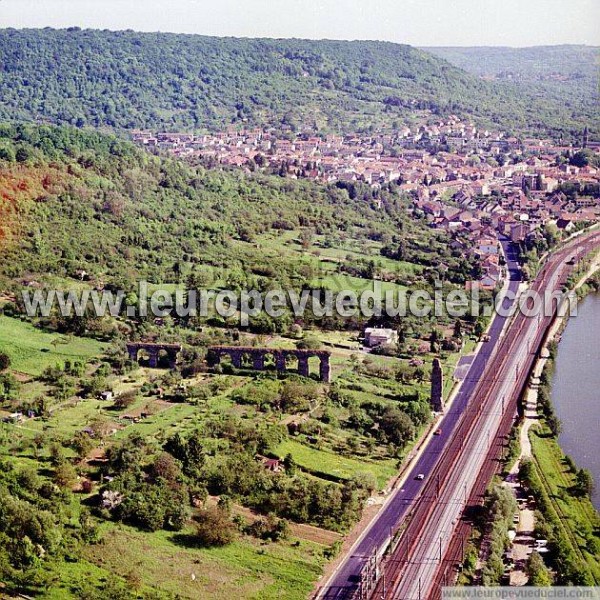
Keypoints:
(576, 388)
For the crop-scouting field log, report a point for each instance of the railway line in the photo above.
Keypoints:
(357, 574)
(455, 552)
(433, 535)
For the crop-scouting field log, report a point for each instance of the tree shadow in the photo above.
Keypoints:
(187, 540)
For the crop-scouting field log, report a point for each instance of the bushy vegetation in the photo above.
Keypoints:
(37, 528)
(140, 215)
(501, 505)
(172, 444)
(88, 210)
(237, 474)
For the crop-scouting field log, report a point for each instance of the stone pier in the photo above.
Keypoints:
(437, 386)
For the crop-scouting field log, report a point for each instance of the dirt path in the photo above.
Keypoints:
(22, 377)
(524, 540)
(522, 547)
(299, 530)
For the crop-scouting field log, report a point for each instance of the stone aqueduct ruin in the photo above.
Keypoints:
(241, 357)
(154, 353)
(246, 357)
(257, 358)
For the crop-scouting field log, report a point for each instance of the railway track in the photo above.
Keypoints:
(483, 401)
(447, 574)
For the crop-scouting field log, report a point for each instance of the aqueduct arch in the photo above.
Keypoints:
(154, 351)
(258, 355)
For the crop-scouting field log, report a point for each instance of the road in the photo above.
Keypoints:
(345, 581)
(414, 570)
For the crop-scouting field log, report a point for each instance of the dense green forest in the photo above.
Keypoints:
(567, 74)
(166, 81)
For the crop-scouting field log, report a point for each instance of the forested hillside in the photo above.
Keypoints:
(167, 81)
(567, 74)
(77, 201)
(525, 64)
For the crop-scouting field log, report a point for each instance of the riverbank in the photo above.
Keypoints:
(574, 389)
(566, 516)
(508, 555)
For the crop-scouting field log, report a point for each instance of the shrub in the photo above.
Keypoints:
(310, 342)
(214, 528)
(126, 399)
(269, 528)
(4, 361)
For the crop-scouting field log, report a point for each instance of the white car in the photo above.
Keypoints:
(420, 477)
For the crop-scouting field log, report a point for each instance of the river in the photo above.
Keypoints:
(576, 388)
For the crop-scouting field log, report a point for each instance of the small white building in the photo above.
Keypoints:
(375, 336)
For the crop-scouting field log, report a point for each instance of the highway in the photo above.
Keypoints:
(345, 582)
(420, 563)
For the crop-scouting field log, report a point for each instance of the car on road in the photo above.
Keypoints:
(420, 477)
(437, 432)
(516, 518)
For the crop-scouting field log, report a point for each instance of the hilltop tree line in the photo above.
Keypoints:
(126, 80)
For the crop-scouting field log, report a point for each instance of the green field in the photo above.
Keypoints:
(32, 350)
(165, 564)
(322, 461)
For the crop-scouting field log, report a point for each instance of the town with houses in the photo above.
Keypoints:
(473, 183)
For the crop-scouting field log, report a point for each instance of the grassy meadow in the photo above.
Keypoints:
(32, 350)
